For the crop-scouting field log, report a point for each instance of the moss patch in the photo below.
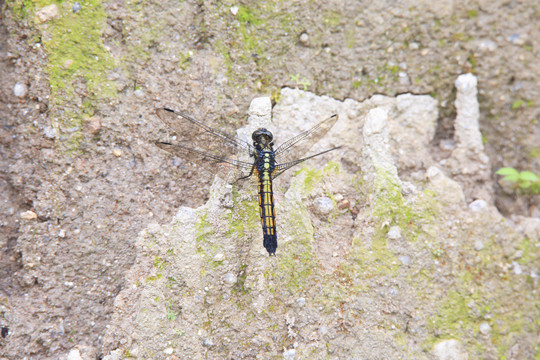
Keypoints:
(77, 65)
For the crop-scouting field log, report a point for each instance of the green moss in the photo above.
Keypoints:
(530, 251)
(244, 217)
(332, 18)
(201, 230)
(150, 279)
(296, 259)
(77, 64)
(75, 51)
(472, 14)
(160, 264)
(314, 176)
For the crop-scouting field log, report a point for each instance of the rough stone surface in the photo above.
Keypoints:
(331, 268)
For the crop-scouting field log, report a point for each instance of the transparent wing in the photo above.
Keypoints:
(205, 146)
(296, 147)
(199, 134)
(290, 152)
(280, 168)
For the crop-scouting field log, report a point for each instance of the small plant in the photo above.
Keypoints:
(525, 180)
(304, 82)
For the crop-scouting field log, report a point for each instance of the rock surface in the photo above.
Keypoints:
(406, 267)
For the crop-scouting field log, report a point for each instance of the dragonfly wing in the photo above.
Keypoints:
(199, 134)
(296, 147)
(203, 145)
(280, 168)
(239, 168)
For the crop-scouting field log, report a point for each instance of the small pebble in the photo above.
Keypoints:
(478, 245)
(208, 343)
(219, 257)
(49, 132)
(394, 233)
(485, 328)
(301, 301)
(478, 205)
(139, 93)
(324, 205)
(117, 152)
(93, 125)
(517, 39)
(168, 351)
(62, 233)
(230, 278)
(20, 90)
(234, 10)
(344, 204)
(487, 45)
(304, 38)
(404, 78)
(405, 259)
(28, 215)
(46, 13)
(517, 268)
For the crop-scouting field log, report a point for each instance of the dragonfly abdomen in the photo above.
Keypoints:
(266, 202)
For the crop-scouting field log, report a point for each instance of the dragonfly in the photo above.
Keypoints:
(205, 146)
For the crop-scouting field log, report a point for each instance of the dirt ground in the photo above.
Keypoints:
(76, 157)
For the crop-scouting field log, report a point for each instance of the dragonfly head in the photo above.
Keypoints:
(262, 138)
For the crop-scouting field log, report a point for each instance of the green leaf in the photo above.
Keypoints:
(507, 171)
(528, 176)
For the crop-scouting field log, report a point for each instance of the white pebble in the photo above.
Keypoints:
(20, 90)
(485, 328)
(230, 278)
(324, 205)
(394, 233)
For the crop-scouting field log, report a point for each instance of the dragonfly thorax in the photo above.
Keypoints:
(262, 139)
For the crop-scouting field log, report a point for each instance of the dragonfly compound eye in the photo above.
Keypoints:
(262, 136)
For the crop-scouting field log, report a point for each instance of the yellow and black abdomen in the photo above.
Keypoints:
(266, 202)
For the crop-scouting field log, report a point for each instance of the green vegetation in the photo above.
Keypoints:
(77, 66)
(520, 103)
(526, 181)
(304, 82)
